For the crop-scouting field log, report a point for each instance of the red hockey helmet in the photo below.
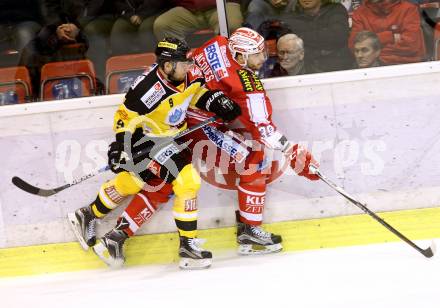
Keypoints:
(246, 42)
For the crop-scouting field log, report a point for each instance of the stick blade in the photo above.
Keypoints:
(23, 185)
(430, 251)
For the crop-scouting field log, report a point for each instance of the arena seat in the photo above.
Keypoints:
(122, 70)
(67, 79)
(15, 85)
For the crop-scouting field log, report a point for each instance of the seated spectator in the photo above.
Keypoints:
(20, 20)
(47, 47)
(271, 30)
(367, 49)
(324, 28)
(97, 19)
(189, 16)
(260, 11)
(133, 30)
(397, 24)
(290, 62)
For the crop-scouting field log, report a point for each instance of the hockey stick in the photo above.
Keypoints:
(428, 252)
(23, 185)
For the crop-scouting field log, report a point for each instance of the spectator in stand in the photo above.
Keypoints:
(133, 30)
(188, 16)
(367, 49)
(20, 20)
(290, 51)
(97, 18)
(271, 30)
(397, 24)
(259, 11)
(324, 28)
(47, 47)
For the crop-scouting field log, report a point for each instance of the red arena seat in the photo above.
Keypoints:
(67, 79)
(15, 85)
(122, 70)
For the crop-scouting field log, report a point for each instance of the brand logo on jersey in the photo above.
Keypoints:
(143, 216)
(255, 200)
(215, 61)
(191, 205)
(195, 71)
(249, 81)
(175, 116)
(201, 61)
(154, 168)
(227, 177)
(113, 194)
(153, 95)
(122, 114)
(226, 143)
(178, 113)
(164, 154)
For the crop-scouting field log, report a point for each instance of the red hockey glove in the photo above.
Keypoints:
(301, 159)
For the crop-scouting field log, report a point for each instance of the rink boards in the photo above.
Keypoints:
(373, 131)
(162, 248)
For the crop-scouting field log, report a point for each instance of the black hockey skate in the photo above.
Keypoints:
(110, 248)
(254, 240)
(83, 223)
(192, 256)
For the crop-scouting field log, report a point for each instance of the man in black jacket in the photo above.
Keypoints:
(324, 29)
(47, 47)
(133, 29)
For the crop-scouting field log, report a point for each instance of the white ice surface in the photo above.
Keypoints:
(375, 276)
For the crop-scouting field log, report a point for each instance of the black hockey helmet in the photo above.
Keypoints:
(172, 49)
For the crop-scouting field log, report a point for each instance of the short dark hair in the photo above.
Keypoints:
(364, 35)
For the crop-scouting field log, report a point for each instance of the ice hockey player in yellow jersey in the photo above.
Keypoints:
(154, 108)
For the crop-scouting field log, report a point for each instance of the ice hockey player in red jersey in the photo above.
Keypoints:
(228, 66)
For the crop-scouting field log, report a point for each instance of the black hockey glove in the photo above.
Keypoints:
(118, 152)
(116, 156)
(218, 103)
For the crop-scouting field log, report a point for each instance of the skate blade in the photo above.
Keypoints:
(102, 252)
(255, 249)
(194, 264)
(73, 222)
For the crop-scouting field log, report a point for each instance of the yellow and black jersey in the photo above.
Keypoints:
(156, 106)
